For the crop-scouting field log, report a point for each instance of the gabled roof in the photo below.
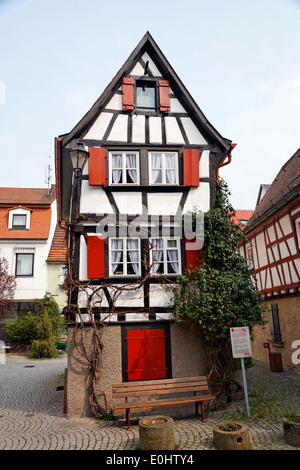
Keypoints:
(101, 125)
(242, 216)
(285, 187)
(148, 44)
(38, 201)
(26, 196)
(40, 221)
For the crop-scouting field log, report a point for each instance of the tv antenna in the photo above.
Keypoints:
(48, 176)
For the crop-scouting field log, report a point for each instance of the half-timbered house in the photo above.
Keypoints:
(153, 156)
(272, 250)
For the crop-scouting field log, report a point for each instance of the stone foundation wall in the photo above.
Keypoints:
(186, 355)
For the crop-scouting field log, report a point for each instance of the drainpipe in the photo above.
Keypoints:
(223, 162)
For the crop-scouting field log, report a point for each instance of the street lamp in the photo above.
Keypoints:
(79, 157)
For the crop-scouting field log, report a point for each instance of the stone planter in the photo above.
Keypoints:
(157, 433)
(230, 435)
(291, 430)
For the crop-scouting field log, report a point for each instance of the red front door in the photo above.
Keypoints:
(146, 354)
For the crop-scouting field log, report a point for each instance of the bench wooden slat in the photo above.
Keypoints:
(162, 384)
(172, 401)
(158, 391)
(189, 386)
(159, 381)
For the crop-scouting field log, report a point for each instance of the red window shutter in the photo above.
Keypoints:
(164, 95)
(193, 254)
(136, 355)
(128, 93)
(95, 257)
(190, 167)
(97, 166)
(156, 354)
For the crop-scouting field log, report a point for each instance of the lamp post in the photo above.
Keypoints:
(79, 157)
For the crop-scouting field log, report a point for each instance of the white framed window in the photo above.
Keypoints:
(124, 257)
(165, 256)
(24, 264)
(19, 219)
(124, 168)
(163, 168)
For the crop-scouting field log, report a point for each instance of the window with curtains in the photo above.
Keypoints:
(165, 256)
(19, 221)
(124, 257)
(163, 168)
(124, 168)
(24, 264)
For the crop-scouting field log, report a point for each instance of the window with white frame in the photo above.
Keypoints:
(124, 168)
(163, 167)
(165, 256)
(124, 257)
(19, 221)
(24, 264)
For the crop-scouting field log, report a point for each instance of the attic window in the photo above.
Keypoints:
(145, 95)
(19, 219)
(19, 222)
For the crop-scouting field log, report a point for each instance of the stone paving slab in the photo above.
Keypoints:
(31, 412)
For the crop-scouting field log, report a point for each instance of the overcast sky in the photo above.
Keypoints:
(239, 59)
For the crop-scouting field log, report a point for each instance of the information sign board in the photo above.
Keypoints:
(240, 342)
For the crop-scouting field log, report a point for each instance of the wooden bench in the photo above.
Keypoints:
(187, 389)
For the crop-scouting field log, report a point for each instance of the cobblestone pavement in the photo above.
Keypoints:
(31, 412)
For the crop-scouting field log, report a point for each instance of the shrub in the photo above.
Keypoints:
(23, 330)
(42, 349)
(50, 306)
(44, 346)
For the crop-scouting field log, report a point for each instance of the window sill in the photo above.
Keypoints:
(151, 187)
(278, 344)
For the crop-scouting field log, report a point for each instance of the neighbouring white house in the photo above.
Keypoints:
(28, 219)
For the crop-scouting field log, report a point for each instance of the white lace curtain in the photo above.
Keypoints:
(172, 256)
(170, 169)
(157, 254)
(157, 168)
(133, 254)
(117, 168)
(132, 247)
(131, 167)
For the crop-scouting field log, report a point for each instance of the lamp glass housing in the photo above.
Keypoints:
(78, 157)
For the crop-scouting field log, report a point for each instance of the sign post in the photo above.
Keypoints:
(241, 348)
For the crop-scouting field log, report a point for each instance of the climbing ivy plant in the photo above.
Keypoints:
(221, 293)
